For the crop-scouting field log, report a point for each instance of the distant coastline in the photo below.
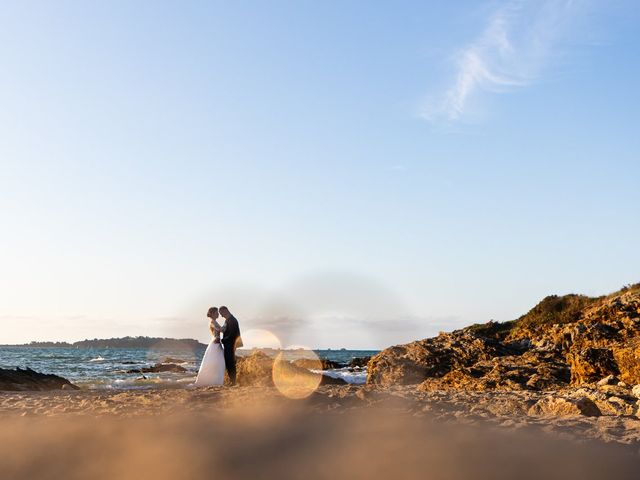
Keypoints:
(154, 343)
(122, 342)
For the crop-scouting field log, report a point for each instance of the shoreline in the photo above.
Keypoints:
(144, 368)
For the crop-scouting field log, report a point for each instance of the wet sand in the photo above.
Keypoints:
(337, 432)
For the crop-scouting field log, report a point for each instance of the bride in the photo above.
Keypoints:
(212, 366)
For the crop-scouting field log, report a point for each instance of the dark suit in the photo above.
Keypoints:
(229, 339)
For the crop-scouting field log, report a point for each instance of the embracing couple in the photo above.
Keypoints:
(220, 354)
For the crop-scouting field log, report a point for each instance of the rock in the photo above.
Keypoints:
(614, 390)
(257, 370)
(359, 362)
(619, 406)
(160, 368)
(590, 364)
(404, 364)
(561, 407)
(165, 367)
(608, 380)
(328, 380)
(317, 364)
(331, 365)
(628, 362)
(548, 378)
(611, 401)
(635, 391)
(172, 360)
(433, 357)
(483, 365)
(27, 379)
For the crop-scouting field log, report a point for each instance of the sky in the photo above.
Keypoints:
(340, 174)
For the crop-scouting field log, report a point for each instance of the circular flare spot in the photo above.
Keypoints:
(296, 375)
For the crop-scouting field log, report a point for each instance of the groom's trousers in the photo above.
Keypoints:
(230, 362)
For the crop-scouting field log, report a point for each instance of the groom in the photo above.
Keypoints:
(230, 340)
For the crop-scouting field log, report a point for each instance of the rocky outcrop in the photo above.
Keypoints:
(24, 380)
(255, 370)
(528, 371)
(627, 361)
(566, 340)
(433, 358)
(591, 364)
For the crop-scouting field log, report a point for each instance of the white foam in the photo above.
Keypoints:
(98, 359)
(148, 382)
(357, 377)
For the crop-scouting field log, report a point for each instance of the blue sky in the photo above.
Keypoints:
(340, 173)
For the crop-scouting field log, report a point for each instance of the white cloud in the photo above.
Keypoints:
(518, 41)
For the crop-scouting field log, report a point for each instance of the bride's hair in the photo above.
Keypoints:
(211, 311)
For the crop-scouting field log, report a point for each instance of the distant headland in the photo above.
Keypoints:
(122, 342)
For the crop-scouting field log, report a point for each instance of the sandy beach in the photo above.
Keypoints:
(337, 432)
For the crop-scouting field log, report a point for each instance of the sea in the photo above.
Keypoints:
(106, 368)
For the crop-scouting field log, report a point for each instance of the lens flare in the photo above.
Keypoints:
(258, 338)
(295, 372)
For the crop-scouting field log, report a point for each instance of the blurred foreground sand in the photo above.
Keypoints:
(338, 432)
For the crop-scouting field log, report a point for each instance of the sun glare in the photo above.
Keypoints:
(259, 338)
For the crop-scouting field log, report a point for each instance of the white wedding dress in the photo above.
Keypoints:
(211, 371)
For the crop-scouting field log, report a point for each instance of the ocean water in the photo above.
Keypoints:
(107, 367)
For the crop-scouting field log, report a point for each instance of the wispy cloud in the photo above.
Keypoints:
(519, 39)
